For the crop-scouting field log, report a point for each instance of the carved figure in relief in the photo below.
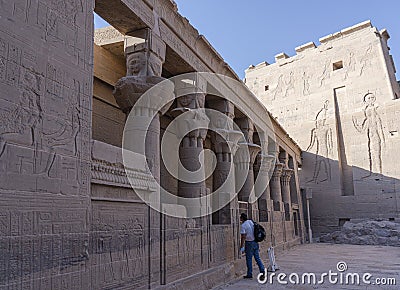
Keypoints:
(325, 73)
(279, 87)
(321, 138)
(289, 84)
(67, 9)
(306, 84)
(72, 7)
(350, 65)
(372, 126)
(66, 134)
(20, 125)
(366, 60)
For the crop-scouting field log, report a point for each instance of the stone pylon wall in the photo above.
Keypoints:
(339, 101)
(46, 76)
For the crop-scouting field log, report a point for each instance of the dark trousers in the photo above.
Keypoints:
(252, 249)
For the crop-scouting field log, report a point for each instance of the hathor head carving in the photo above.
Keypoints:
(143, 63)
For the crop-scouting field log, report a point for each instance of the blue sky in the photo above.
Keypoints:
(249, 32)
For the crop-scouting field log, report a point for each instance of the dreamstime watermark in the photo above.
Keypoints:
(339, 277)
(192, 119)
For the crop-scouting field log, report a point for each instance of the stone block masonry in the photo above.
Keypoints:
(340, 101)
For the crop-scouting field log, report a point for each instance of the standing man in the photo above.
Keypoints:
(249, 246)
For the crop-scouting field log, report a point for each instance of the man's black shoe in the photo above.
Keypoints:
(248, 277)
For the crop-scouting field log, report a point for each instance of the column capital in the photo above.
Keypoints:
(128, 91)
(246, 153)
(284, 158)
(145, 55)
(190, 103)
(264, 162)
(247, 126)
(278, 170)
(190, 123)
(191, 91)
(286, 175)
(226, 141)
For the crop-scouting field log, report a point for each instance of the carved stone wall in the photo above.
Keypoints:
(69, 218)
(339, 102)
(46, 81)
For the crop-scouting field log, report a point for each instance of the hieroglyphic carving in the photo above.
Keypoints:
(19, 125)
(219, 236)
(67, 10)
(321, 137)
(119, 243)
(372, 126)
(44, 228)
(40, 252)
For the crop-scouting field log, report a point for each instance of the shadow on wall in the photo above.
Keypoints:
(341, 192)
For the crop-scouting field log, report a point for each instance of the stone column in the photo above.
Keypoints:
(145, 57)
(275, 185)
(192, 105)
(285, 185)
(244, 161)
(225, 139)
(262, 172)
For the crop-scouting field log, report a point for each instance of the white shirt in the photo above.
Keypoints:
(247, 229)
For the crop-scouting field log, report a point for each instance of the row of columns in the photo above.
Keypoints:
(145, 57)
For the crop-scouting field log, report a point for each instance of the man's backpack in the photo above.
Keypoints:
(259, 232)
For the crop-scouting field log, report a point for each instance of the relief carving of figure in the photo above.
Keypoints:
(306, 84)
(20, 125)
(366, 59)
(325, 73)
(66, 134)
(321, 139)
(289, 84)
(23, 124)
(350, 65)
(372, 126)
(279, 87)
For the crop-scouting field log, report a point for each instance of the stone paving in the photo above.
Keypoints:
(379, 261)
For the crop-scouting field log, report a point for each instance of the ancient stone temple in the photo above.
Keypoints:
(72, 213)
(340, 102)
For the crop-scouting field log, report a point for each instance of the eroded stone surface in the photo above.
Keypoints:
(384, 233)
